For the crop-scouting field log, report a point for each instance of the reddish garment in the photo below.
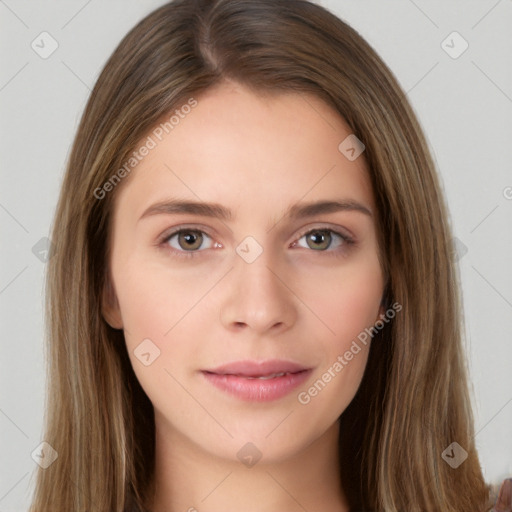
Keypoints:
(504, 498)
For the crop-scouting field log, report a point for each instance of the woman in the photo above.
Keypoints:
(252, 301)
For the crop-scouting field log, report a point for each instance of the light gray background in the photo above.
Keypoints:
(464, 105)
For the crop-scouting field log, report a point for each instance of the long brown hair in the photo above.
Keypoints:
(413, 401)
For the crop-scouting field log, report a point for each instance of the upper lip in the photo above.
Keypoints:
(257, 368)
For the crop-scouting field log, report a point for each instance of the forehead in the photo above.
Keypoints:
(249, 151)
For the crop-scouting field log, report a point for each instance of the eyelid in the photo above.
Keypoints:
(343, 232)
(168, 233)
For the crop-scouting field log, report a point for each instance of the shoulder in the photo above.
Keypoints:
(502, 496)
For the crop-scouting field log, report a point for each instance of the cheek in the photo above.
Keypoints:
(349, 306)
(347, 302)
(151, 300)
(153, 311)
(140, 303)
(170, 308)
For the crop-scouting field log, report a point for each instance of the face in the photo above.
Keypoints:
(244, 266)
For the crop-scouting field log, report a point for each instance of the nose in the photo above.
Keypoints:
(257, 297)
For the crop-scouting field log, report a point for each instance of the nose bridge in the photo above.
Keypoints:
(258, 277)
(256, 296)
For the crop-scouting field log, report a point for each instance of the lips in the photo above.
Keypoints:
(258, 380)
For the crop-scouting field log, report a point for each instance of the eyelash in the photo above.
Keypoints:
(346, 242)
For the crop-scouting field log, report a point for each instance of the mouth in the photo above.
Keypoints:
(262, 377)
(258, 381)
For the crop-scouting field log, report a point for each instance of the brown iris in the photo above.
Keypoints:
(320, 239)
(190, 240)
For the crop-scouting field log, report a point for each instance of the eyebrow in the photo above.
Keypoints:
(215, 210)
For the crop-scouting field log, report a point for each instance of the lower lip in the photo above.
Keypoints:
(257, 390)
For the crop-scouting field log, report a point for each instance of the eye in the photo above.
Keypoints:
(188, 240)
(323, 239)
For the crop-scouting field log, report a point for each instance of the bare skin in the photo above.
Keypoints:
(304, 298)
